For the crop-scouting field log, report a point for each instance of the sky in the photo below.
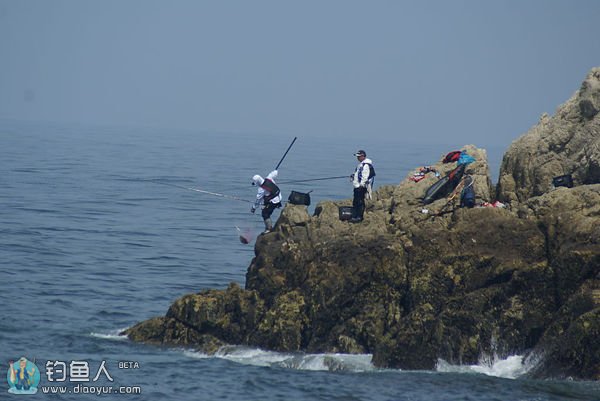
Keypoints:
(466, 71)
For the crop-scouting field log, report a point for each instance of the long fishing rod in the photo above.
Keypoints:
(201, 191)
(285, 154)
(314, 179)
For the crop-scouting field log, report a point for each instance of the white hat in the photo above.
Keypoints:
(257, 180)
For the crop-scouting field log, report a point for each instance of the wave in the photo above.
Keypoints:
(113, 335)
(511, 367)
(315, 362)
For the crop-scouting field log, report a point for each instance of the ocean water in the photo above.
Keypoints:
(91, 243)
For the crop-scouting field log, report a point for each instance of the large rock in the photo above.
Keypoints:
(567, 143)
(411, 284)
(569, 347)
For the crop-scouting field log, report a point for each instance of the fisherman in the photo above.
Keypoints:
(362, 180)
(21, 378)
(269, 196)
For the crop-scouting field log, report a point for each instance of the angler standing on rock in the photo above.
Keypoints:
(362, 180)
(268, 195)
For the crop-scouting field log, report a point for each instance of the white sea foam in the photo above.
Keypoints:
(111, 335)
(330, 362)
(251, 356)
(318, 362)
(196, 354)
(511, 367)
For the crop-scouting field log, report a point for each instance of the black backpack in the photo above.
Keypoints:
(467, 196)
(371, 171)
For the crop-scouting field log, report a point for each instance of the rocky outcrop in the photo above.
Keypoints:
(567, 143)
(412, 284)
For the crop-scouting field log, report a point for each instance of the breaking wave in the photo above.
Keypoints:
(111, 335)
(316, 362)
(511, 367)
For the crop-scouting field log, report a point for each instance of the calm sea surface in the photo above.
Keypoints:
(90, 244)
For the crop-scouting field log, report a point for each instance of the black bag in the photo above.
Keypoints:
(345, 212)
(563, 181)
(445, 185)
(467, 196)
(299, 198)
(372, 173)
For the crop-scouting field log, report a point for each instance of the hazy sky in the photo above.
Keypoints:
(476, 71)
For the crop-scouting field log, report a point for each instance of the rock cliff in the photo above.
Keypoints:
(411, 285)
(566, 143)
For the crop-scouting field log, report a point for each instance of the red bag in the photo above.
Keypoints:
(452, 156)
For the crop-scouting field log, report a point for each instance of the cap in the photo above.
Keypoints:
(361, 153)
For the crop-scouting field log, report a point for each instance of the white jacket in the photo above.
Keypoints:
(261, 193)
(361, 174)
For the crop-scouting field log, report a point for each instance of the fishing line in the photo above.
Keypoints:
(200, 190)
(238, 187)
(314, 179)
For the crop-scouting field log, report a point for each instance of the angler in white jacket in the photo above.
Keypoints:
(268, 195)
(362, 180)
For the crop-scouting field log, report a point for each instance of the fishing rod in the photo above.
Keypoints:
(201, 191)
(314, 179)
(286, 152)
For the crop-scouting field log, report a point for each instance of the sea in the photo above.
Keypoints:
(101, 227)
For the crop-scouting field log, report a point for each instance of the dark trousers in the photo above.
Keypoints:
(358, 203)
(269, 209)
